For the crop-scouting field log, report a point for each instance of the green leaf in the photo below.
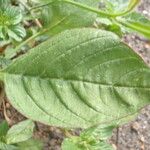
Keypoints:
(45, 16)
(30, 144)
(4, 62)
(10, 18)
(9, 15)
(92, 138)
(4, 2)
(3, 128)
(101, 132)
(4, 146)
(136, 22)
(16, 32)
(20, 132)
(68, 144)
(104, 146)
(72, 15)
(113, 5)
(80, 78)
(118, 6)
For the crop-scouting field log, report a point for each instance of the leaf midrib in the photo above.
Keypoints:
(78, 80)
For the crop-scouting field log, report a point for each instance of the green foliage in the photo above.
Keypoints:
(118, 6)
(10, 18)
(136, 22)
(81, 77)
(20, 132)
(4, 146)
(72, 16)
(87, 78)
(91, 139)
(3, 129)
(4, 62)
(30, 144)
(18, 137)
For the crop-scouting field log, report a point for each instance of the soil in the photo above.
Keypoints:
(132, 136)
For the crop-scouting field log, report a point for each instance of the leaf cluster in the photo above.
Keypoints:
(10, 19)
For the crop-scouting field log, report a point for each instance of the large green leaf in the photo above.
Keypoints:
(72, 16)
(20, 132)
(79, 78)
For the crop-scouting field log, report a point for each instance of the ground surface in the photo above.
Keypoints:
(132, 136)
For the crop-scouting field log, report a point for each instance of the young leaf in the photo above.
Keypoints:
(136, 22)
(80, 78)
(20, 132)
(3, 128)
(30, 144)
(92, 138)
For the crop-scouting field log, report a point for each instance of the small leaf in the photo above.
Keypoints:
(3, 128)
(10, 15)
(30, 144)
(136, 22)
(20, 132)
(4, 146)
(16, 32)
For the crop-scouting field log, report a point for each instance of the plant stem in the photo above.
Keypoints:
(38, 34)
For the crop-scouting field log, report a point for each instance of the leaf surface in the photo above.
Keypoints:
(79, 78)
(136, 22)
(72, 16)
(20, 132)
(30, 144)
(4, 146)
(3, 128)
